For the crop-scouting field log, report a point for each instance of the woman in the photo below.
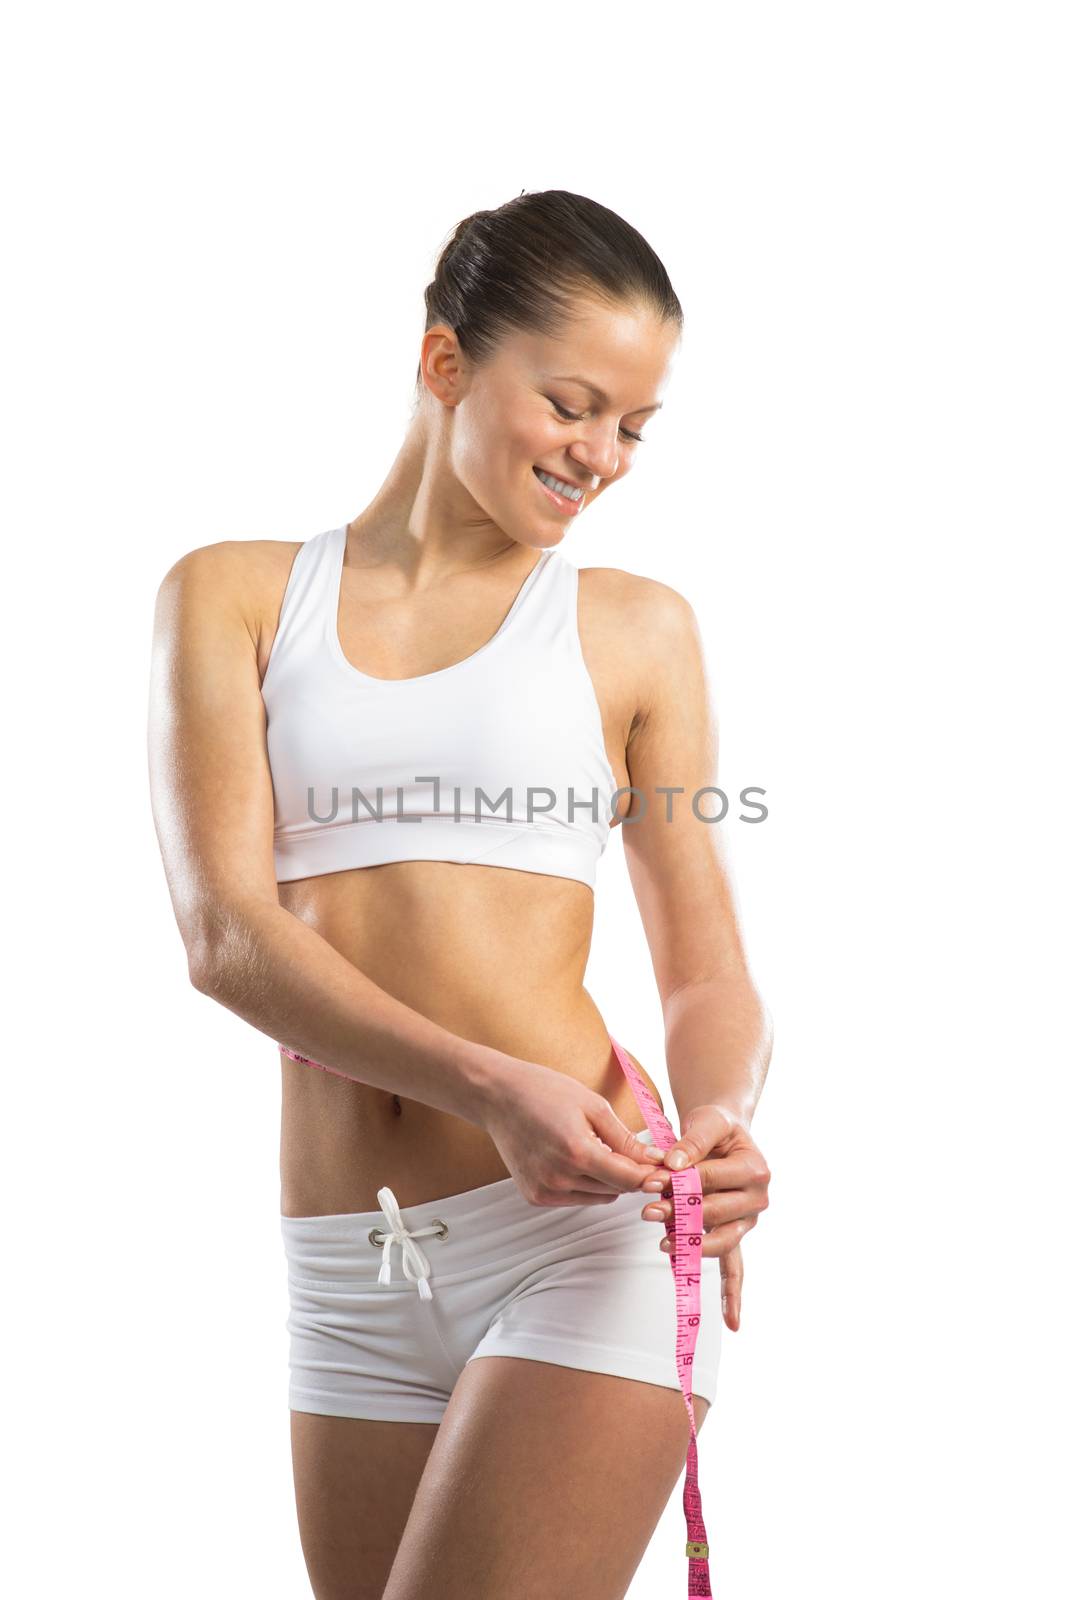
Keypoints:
(384, 763)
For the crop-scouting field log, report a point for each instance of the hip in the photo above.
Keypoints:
(342, 1140)
(388, 1305)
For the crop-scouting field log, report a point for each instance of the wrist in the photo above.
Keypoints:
(737, 1113)
(483, 1074)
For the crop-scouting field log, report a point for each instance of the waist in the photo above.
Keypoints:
(342, 1140)
(495, 956)
(462, 944)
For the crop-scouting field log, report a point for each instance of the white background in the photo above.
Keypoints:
(221, 221)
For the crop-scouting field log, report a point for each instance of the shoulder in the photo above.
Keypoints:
(235, 564)
(242, 580)
(653, 612)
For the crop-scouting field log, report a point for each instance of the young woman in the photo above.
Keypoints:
(385, 762)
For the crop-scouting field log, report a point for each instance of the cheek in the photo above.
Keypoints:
(474, 450)
(529, 444)
(494, 451)
(490, 444)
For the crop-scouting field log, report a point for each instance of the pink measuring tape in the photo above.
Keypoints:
(686, 1264)
(687, 1228)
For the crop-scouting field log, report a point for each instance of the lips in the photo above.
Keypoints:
(564, 505)
(562, 479)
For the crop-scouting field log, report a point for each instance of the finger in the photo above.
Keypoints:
(716, 1241)
(615, 1156)
(734, 1171)
(716, 1210)
(584, 1185)
(730, 1269)
(614, 1172)
(703, 1130)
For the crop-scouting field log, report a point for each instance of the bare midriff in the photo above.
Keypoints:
(495, 955)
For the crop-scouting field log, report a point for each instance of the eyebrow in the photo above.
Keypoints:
(599, 394)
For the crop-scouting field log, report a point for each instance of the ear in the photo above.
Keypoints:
(442, 365)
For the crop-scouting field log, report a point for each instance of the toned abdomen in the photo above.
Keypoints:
(494, 955)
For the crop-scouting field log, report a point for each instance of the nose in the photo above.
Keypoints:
(597, 453)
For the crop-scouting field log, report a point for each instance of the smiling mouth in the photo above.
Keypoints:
(561, 487)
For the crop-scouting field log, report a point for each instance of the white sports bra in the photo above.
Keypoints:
(498, 760)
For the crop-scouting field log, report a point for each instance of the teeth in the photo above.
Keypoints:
(558, 487)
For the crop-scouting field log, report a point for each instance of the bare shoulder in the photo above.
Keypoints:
(241, 578)
(655, 616)
(239, 565)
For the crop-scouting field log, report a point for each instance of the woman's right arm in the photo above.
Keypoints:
(213, 806)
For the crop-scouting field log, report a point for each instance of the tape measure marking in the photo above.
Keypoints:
(687, 1226)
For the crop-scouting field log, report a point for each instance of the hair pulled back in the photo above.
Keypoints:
(520, 267)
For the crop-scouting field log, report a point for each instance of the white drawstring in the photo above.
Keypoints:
(411, 1255)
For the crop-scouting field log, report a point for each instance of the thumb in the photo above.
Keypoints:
(618, 1137)
(690, 1146)
(701, 1130)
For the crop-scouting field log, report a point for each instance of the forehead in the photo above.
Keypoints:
(625, 352)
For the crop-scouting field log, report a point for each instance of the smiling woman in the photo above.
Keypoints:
(430, 723)
(577, 343)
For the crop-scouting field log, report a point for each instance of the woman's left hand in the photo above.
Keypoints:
(734, 1181)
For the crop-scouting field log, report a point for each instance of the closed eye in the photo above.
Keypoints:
(572, 417)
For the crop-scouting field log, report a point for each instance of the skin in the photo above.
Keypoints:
(432, 565)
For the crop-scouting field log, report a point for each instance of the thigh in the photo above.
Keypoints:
(543, 1480)
(355, 1480)
(603, 1298)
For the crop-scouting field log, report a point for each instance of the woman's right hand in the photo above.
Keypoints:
(563, 1143)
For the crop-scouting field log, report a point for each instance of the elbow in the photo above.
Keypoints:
(204, 956)
(227, 946)
(203, 969)
(767, 1031)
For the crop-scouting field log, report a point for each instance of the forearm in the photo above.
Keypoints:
(717, 1044)
(278, 974)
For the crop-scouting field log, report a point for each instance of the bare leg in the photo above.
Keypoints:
(355, 1480)
(543, 1481)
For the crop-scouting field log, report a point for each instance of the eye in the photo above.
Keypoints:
(570, 416)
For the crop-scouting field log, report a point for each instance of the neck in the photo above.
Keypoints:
(424, 521)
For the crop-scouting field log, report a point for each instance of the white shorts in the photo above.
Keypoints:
(579, 1286)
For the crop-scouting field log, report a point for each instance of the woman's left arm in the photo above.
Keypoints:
(718, 1032)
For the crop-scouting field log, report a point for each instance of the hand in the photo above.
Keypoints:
(562, 1143)
(735, 1180)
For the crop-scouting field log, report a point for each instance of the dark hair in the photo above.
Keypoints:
(521, 266)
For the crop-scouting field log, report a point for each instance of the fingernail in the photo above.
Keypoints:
(677, 1158)
(657, 1212)
(654, 1185)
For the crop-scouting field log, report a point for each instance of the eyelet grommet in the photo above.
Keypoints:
(444, 1234)
(378, 1243)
